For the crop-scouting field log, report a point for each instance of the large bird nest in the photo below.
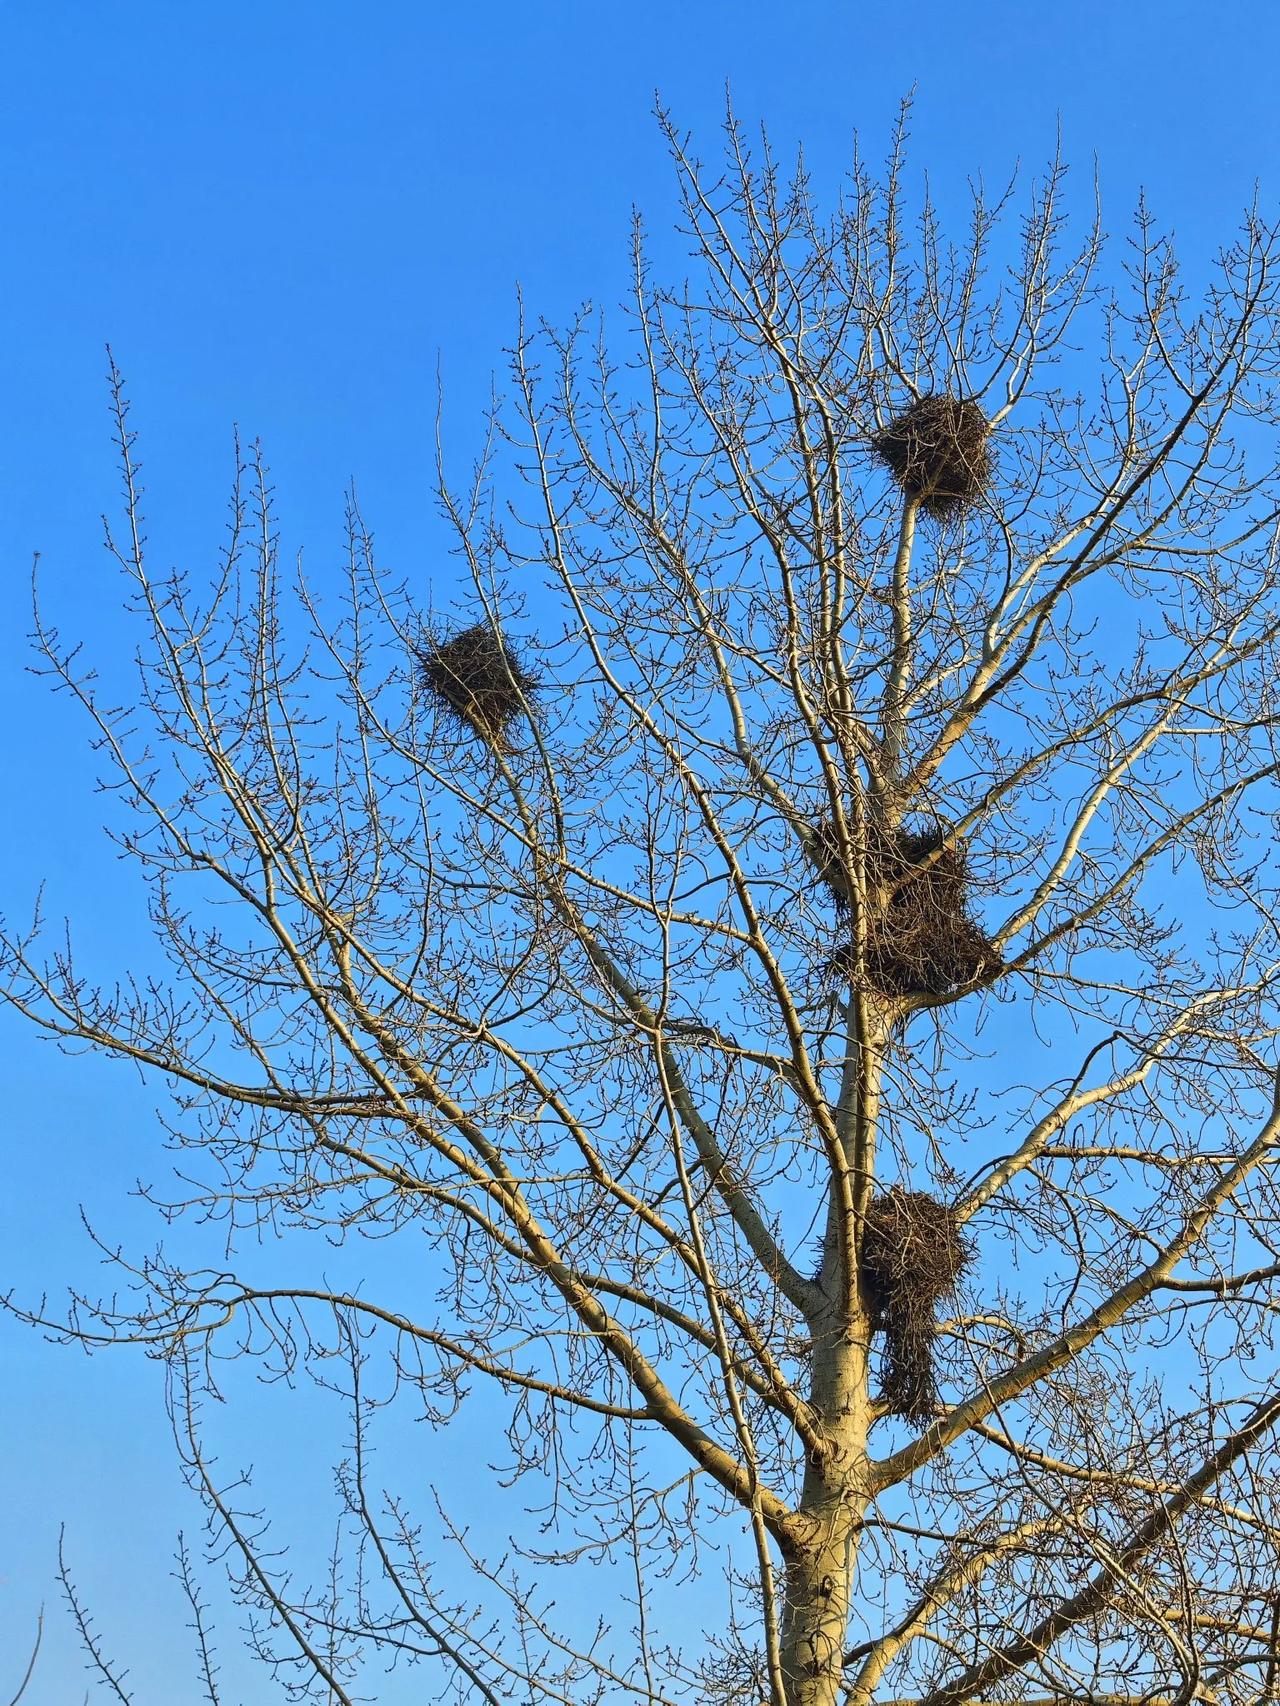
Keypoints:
(913, 1254)
(921, 939)
(476, 676)
(937, 452)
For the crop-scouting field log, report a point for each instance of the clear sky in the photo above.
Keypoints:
(286, 215)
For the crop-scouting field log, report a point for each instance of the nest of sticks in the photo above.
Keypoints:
(477, 677)
(937, 452)
(913, 1255)
(921, 939)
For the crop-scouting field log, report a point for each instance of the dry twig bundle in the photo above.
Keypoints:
(913, 1254)
(475, 675)
(937, 452)
(923, 942)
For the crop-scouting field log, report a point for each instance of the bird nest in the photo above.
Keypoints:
(921, 939)
(913, 1254)
(937, 452)
(476, 676)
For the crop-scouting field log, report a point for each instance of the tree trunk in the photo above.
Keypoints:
(819, 1586)
(820, 1568)
(821, 1564)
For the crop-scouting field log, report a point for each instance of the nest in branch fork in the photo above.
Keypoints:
(921, 941)
(475, 675)
(937, 452)
(912, 1256)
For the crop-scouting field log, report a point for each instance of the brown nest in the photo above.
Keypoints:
(475, 675)
(913, 1253)
(937, 452)
(923, 941)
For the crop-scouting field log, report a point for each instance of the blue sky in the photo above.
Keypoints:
(288, 216)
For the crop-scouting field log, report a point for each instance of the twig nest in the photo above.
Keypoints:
(913, 1254)
(925, 943)
(475, 675)
(920, 939)
(937, 452)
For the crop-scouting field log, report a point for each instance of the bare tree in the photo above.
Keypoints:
(794, 951)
